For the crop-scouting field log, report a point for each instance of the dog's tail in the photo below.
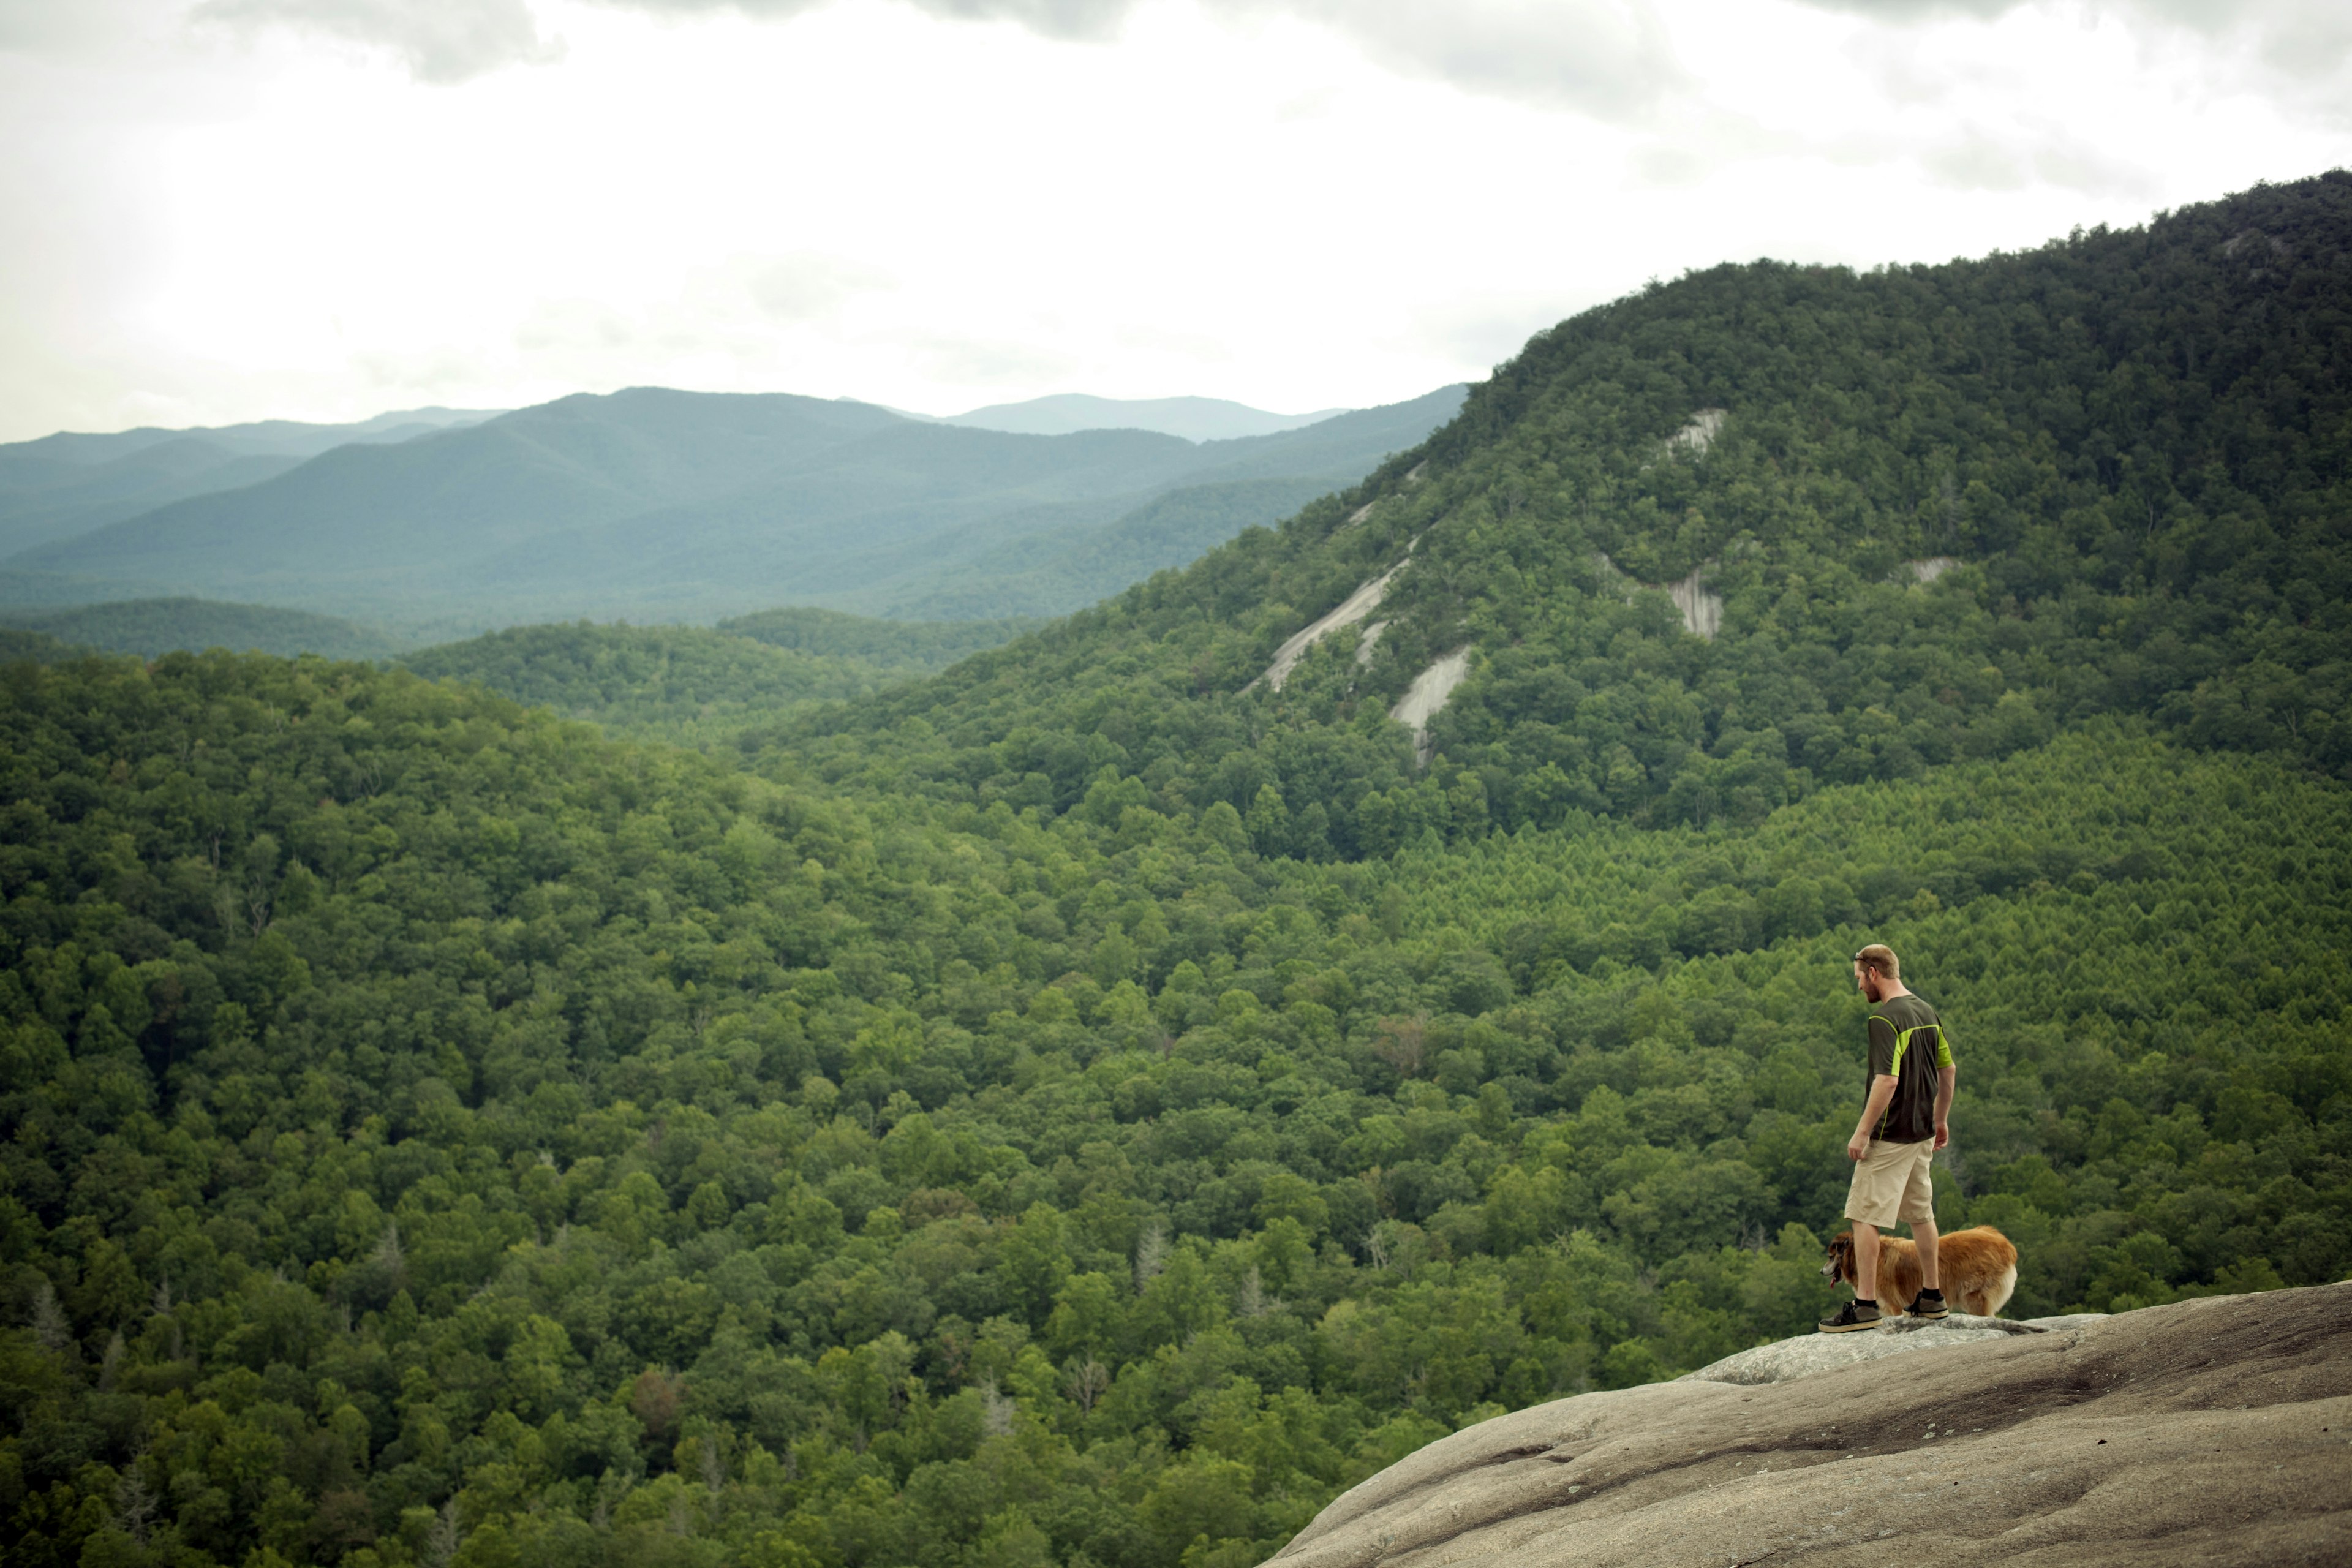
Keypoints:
(2005, 1286)
(2000, 1246)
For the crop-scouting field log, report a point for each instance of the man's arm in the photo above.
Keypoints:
(1882, 1094)
(1947, 1077)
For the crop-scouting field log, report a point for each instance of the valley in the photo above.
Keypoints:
(1166, 1010)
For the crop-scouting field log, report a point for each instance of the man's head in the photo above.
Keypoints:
(1877, 973)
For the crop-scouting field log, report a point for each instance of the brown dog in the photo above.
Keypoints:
(1978, 1267)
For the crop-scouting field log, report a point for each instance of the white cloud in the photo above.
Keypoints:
(440, 41)
(952, 202)
(1605, 57)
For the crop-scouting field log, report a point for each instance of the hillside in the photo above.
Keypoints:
(2130, 449)
(1055, 571)
(1099, 1182)
(151, 626)
(1099, 1102)
(679, 505)
(699, 687)
(922, 644)
(39, 646)
(69, 484)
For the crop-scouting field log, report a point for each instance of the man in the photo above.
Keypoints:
(1905, 1118)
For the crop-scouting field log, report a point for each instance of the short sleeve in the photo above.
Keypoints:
(1882, 1047)
(1943, 1047)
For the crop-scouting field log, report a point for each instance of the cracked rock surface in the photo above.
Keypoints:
(2214, 1431)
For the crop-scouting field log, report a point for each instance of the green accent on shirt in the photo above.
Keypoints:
(1908, 1044)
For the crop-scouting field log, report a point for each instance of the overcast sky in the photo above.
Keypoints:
(321, 209)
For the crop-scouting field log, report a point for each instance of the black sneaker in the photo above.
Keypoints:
(1852, 1316)
(1929, 1304)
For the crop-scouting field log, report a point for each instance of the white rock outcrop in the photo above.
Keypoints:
(1700, 433)
(1352, 609)
(1427, 696)
(2211, 1431)
(1701, 605)
(1694, 597)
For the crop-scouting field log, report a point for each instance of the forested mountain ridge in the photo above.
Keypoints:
(70, 483)
(699, 686)
(1195, 418)
(2136, 445)
(1085, 1109)
(436, 1135)
(151, 628)
(666, 504)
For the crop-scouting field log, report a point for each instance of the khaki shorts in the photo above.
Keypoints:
(1890, 1182)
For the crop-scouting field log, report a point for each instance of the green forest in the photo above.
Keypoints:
(154, 626)
(1081, 1109)
(703, 687)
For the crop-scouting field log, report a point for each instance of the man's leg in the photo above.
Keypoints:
(1865, 1262)
(1923, 1231)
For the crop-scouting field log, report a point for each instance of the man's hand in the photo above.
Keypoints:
(1882, 1095)
(1943, 1134)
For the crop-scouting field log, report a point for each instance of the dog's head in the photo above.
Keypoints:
(1840, 1265)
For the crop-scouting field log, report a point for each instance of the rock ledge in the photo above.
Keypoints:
(2213, 1431)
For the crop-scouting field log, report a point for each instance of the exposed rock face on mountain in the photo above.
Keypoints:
(2214, 1431)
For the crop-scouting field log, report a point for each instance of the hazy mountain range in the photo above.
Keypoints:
(658, 504)
(70, 483)
(1193, 419)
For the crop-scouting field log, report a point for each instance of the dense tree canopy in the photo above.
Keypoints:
(1073, 1110)
(2135, 445)
(689, 686)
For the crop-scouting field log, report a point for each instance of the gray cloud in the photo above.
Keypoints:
(439, 40)
(2302, 38)
(1917, 10)
(804, 287)
(1088, 19)
(1608, 58)
(1981, 161)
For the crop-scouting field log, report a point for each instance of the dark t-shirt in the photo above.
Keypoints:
(1906, 1042)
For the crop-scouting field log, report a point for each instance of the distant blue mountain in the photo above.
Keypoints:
(658, 504)
(1193, 419)
(72, 483)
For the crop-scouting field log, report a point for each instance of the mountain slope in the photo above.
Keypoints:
(151, 628)
(1193, 419)
(44, 504)
(686, 504)
(896, 644)
(2134, 445)
(1246, 484)
(69, 484)
(395, 521)
(963, 1176)
(1101, 1103)
(261, 437)
(697, 686)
